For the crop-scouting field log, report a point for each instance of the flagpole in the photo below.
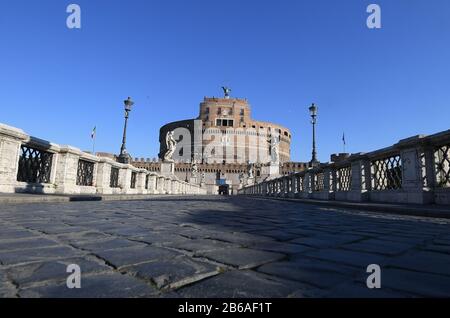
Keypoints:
(93, 137)
(343, 141)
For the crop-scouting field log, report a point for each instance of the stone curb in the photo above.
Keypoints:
(434, 211)
(39, 198)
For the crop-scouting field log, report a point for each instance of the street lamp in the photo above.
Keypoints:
(124, 157)
(313, 113)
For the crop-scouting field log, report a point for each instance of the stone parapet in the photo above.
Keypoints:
(32, 165)
(415, 170)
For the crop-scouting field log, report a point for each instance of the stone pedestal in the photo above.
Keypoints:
(193, 180)
(272, 171)
(167, 168)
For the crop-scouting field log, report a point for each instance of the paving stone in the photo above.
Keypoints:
(239, 238)
(174, 272)
(280, 247)
(279, 235)
(134, 255)
(423, 261)
(358, 290)
(9, 245)
(52, 270)
(352, 258)
(38, 254)
(16, 234)
(99, 286)
(420, 284)
(160, 238)
(326, 240)
(109, 244)
(437, 248)
(242, 258)
(310, 271)
(380, 247)
(200, 245)
(242, 284)
(7, 290)
(82, 237)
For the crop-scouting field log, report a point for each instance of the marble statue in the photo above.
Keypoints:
(250, 170)
(171, 145)
(274, 150)
(194, 169)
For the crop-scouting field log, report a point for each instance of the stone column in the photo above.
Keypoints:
(140, 181)
(293, 189)
(152, 184)
(308, 185)
(360, 178)
(168, 185)
(161, 185)
(174, 187)
(10, 141)
(104, 176)
(414, 171)
(125, 179)
(66, 171)
(327, 193)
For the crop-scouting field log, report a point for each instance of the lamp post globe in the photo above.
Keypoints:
(124, 157)
(313, 113)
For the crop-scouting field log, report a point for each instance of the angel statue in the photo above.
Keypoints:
(171, 145)
(202, 177)
(226, 91)
(194, 169)
(274, 150)
(241, 178)
(250, 169)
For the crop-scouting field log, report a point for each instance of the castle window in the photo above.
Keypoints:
(242, 112)
(224, 122)
(207, 110)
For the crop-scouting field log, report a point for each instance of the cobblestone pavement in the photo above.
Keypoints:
(218, 247)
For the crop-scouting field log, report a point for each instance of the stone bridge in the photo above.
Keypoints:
(153, 235)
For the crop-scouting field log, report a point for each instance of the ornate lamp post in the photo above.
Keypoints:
(124, 157)
(313, 113)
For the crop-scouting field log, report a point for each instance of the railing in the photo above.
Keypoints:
(415, 170)
(34, 165)
(85, 173)
(114, 178)
(387, 173)
(442, 165)
(344, 178)
(133, 180)
(29, 164)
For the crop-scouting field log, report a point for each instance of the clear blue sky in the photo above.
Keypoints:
(376, 85)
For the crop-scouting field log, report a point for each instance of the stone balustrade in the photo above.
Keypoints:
(29, 164)
(416, 170)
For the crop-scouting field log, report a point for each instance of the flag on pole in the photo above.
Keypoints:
(94, 132)
(343, 140)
